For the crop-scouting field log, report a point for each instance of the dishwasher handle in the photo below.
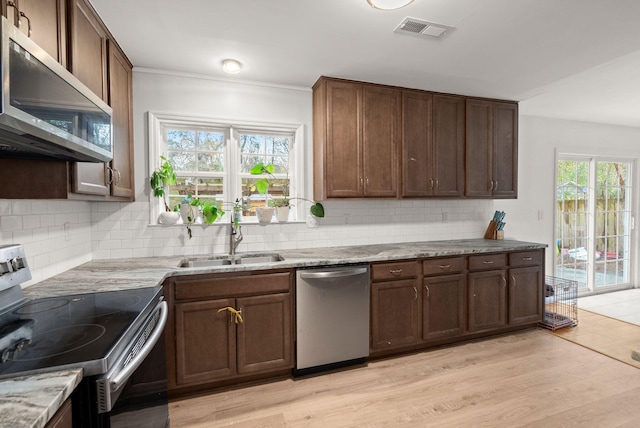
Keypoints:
(329, 274)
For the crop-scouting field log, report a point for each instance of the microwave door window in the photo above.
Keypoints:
(39, 92)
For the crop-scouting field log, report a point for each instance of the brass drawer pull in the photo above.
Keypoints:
(488, 262)
(395, 272)
(426, 287)
(237, 313)
(445, 267)
(527, 259)
(415, 293)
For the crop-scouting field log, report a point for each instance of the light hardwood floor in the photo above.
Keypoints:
(529, 379)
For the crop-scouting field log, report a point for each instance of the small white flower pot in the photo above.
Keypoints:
(168, 217)
(264, 215)
(187, 213)
(282, 214)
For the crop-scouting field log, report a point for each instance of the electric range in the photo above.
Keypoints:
(107, 334)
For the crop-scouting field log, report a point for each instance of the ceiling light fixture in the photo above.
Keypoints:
(388, 4)
(231, 66)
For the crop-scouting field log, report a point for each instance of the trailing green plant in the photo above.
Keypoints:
(262, 186)
(163, 177)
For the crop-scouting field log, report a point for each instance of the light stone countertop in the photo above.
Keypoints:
(30, 401)
(121, 274)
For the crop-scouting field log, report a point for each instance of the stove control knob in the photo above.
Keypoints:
(17, 263)
(5, 267)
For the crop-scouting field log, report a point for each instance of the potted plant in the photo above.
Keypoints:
(282, 205)
(262, 186)
(161, 178)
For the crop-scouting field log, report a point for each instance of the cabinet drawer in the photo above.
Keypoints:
(487, 261)
(443, 266)
(235, 286)
(525, 258)
(395, 270)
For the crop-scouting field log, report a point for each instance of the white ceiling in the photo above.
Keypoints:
(574, 59)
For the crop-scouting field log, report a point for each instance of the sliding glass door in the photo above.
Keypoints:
(593, 222)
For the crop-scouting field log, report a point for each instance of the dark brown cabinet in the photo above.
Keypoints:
(121, 101)
(396, 304)
(526, 280)
(88, 62)
(444, 298)
(95, 59)
(43, 20)
(491, 149)
(487, 292)
(63, 417)
(355, 140)
(99, 63)
(228, 326)
(432, 145)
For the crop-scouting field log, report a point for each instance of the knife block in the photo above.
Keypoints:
(492, 232)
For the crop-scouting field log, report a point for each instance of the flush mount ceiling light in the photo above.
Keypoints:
(231, 66)
(388, 4)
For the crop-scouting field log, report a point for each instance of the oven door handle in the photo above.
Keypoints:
(121, 378)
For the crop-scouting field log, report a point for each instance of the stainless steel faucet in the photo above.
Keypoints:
(235, 236)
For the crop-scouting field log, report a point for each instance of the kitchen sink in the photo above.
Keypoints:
(228, 260)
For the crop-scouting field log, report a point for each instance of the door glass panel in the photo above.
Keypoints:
(612, 219)
(593, 223)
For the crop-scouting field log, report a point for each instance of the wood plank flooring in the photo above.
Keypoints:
(529, 379)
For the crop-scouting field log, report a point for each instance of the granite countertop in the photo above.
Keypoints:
(30, 401)
(120, 274)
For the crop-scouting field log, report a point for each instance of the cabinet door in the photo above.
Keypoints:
(88, 62)
(448, 145)
(505, 150)
(88, 48)
(417, 174)
(443, 306)
(48, 25)
(63, 417)
(525, 295)
(205, 342)
(120, 100)
(264, 337)
(343, 163)
(379, 141)
(478, 150)
(395, 314)
(487, 300)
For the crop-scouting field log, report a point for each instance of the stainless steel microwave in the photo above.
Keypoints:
(45, 111)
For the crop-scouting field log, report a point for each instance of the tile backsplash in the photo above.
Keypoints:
(59, 235)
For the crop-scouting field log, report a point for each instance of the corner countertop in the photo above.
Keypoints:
(39, 396)
(31, 401)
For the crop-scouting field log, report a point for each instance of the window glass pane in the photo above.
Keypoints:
(180, 140)
(210, 141)
(183, 161)
(211, 162)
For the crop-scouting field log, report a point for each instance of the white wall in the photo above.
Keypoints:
(539, 140)
(346, 223)
(121, 230)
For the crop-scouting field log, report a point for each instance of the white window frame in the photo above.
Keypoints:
(158, 121)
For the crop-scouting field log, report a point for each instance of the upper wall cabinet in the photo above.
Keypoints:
(448, 146)
(355, 129)
(94, 57)
(432, 145)
(491, 149)
(44, 21)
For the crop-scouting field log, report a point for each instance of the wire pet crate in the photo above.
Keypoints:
(561, 303)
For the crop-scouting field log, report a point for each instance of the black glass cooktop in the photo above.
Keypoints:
(83, 330)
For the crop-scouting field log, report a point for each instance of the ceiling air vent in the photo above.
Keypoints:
(421, 28)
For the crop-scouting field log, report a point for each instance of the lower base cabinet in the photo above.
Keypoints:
(444, 306)
(228, 327)
(395, 314)
(487, 300)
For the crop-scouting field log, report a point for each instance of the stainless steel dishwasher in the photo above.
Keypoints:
(332, 316)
